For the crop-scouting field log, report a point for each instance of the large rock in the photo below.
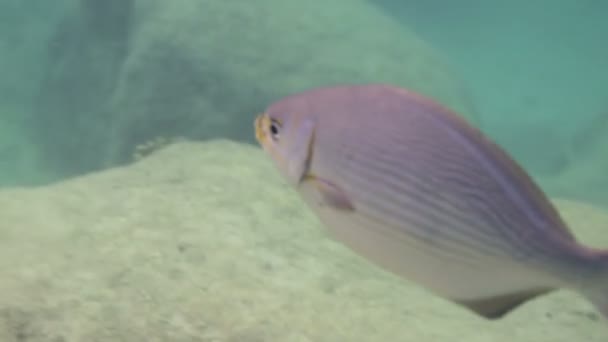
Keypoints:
(123, 72)
(24, 33)
(203, 242)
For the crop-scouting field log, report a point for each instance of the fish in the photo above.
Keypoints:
(417, 190)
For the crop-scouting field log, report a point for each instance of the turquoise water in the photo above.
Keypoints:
(535, 71)
(88, 86)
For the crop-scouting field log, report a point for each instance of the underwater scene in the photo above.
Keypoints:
(303, 171)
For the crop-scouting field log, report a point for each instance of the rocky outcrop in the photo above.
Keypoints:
(123, 72)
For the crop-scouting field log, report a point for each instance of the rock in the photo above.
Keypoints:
(24, 33)
(204, 242)
(204, 69)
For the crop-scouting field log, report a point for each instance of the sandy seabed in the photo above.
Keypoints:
(204, 242)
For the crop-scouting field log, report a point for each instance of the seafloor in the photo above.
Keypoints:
(204, 242)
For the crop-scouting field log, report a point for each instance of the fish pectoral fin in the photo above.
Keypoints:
(497, 307)
(331, 194)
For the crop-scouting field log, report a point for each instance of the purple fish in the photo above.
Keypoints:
(411, 186)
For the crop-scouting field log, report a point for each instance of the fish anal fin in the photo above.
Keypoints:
(497, 307)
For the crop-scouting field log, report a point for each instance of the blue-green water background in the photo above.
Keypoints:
(537, 71)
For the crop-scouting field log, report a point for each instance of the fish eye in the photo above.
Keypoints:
(275, 127)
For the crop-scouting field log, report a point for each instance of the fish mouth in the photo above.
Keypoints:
(259, 123)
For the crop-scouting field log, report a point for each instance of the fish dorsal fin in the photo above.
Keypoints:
(504, 163)
(498, 306)
(530, 188)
